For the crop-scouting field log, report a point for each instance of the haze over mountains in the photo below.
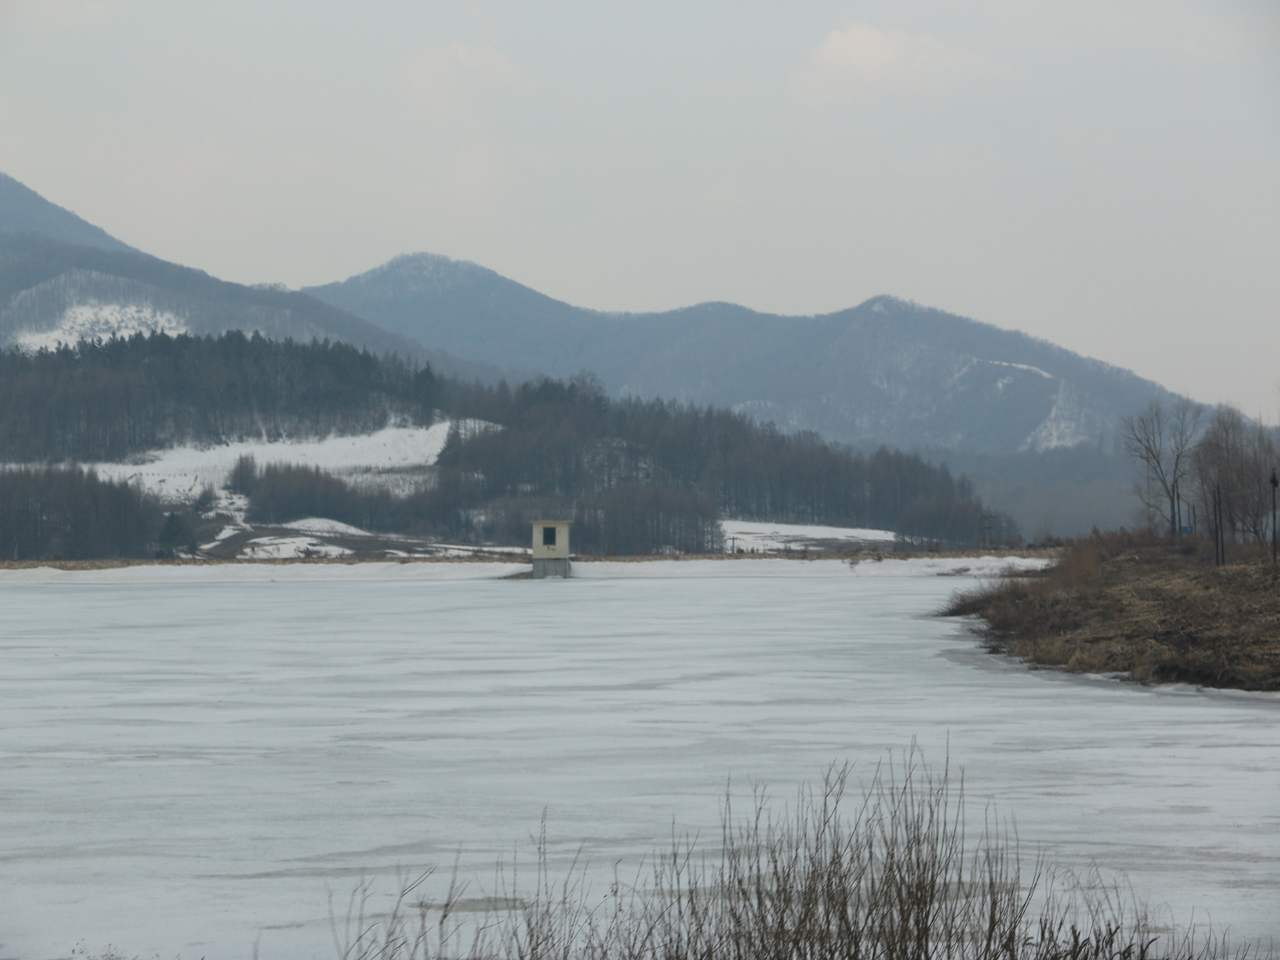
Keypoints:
(22, 210)
(886, 371)
(62, 279)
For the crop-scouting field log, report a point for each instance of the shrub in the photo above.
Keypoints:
(177, 534)
(893, 875)
(243, 476)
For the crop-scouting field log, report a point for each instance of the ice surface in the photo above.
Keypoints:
(191, 756)
(777, 567)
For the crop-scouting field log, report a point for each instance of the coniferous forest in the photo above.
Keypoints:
(106, 400)
(637, 475)
(59, 513)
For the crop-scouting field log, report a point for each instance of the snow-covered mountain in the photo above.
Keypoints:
(886, 371)
(62, 280)
(53, 292)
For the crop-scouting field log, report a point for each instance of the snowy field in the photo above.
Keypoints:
(193, 756)
(180, 473)
(751, 535)
(88, 321)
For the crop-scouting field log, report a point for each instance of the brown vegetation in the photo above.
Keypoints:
(1135, 605)
(893, 874)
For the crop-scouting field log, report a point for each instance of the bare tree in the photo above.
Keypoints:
(1161, 442)
(1235, 457)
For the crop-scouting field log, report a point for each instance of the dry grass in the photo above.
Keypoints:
(1131, 604)
(890, 874)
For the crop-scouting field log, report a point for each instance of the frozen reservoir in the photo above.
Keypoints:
(193, 757)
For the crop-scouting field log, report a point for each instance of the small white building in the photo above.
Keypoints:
(550, 548)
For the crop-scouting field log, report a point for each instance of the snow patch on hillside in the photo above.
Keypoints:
(1021, 366)
(390, 457)
(324, 525)
(1063, 427)
(289, 548)
(88, 321)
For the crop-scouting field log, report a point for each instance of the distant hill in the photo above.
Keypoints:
(886, 371)
(62, 279)
(22, 210)
(53, 292)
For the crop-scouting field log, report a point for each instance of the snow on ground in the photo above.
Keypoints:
(436, 569)
(88, 321)
(769, 537)
(180, 473)
(193, 757)
(289, 548)
(324, 525)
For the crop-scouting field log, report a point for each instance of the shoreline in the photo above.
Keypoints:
(1135, 607)
(504, 556)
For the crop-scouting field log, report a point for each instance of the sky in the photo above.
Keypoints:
(1104, 174)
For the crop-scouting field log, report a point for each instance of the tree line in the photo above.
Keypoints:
(566, 441)
(104, 400)
(640, 475)
(1205, 470)
(71, 514)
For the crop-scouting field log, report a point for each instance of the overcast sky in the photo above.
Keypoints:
(1105, 175)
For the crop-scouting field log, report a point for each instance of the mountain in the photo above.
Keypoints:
(886, 371)
(63, 279)
(53, 292)
(22, 210)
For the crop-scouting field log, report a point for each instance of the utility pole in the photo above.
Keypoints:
(1213, 523)
(1274, 483)
(1219, 539)
(1177, 496)
(986, 519)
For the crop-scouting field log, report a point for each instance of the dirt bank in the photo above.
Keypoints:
(1133, 605)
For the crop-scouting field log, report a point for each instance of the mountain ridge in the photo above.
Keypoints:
(22, 210)
(885, 371)
(55, 292)
(888, 370)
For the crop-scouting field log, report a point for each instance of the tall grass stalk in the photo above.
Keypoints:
(891, 874)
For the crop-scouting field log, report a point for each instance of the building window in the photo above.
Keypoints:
(548, 536)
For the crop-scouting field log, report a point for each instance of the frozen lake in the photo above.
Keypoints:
(191, 757)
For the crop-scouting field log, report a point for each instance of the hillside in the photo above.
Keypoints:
(886, 371)
(1016, 411)
(63, 279)
(52, 292)
(638, 476)
(22, 210)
